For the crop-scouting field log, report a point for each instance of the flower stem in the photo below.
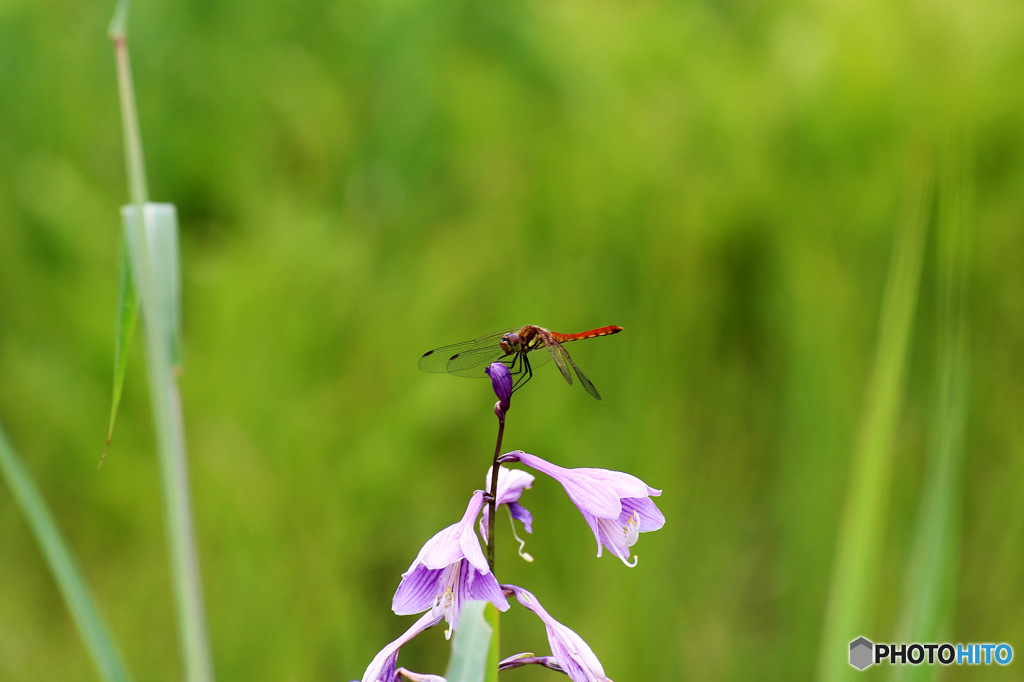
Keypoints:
(492, 504)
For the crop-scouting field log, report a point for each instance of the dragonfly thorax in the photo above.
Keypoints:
(526, 339)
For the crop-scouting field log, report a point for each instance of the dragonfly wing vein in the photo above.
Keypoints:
(558, 354)
(471, 363)
(437, 359)
(591, 389)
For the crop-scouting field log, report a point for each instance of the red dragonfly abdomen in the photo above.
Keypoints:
(600, 331)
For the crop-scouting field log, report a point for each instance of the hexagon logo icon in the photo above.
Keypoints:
(860, 653)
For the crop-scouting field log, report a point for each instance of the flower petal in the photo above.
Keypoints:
(468, 541)
(614, 538)
(484, 587)
(588, 494)
(417, 591)
(625, 485)
(649, 515)
(520, 513)
(511, 484)
(592, 522)
(471, 549)
(419, 677)
(573, 655)
(382, 667)
(441, 550)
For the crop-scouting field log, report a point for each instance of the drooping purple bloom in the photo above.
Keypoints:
(616, 506)
(501, 381)
(449, 570)
(519, 660)
(382, 667)
(419, 677)
(511, 484)
(572, 654)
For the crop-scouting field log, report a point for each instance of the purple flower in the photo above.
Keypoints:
(449, 570)
(519, 660)
(571, 653)
(382, 667)
(501, 381)
(511, 484)
(617, 506)
(420, 677)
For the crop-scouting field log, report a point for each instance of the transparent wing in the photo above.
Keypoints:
(559, 355)
(437, 360)
(582, 377)
(539, 357)
(472, 363)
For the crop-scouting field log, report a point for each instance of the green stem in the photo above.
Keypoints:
(492, 504)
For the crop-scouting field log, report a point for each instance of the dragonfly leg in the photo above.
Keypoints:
(525, 373)
(512, 365)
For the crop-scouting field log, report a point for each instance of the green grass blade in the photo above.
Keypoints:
(160, 254)
(152, 249)
(493, 617)
(930, 579)
(864, 515)
(120, 19)
(153, 254)
(127, 315)
(66, 573)
(471, 646)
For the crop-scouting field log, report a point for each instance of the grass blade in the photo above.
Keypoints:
(859, 539)
(153, 255)
(471, 646)
(493, 618)
(152, 249)
(127, 315)
(930, 579)
(161, 250)
(63, 566)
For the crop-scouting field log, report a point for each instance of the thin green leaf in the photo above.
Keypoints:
(930, 582)
(493, 618)
(63, 566)
(866, 508)
(471, 646)
(161, 257)
(156, 278)
(127, 315)
(116, 28)
(153, 250)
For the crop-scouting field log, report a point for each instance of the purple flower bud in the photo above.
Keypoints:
(501, 380)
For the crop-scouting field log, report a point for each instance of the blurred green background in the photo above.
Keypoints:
(359, 182)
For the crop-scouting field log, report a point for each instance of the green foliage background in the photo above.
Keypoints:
(358, 182)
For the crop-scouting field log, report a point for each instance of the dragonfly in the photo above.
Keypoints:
(520, 349)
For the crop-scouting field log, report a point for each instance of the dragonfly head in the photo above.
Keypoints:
(510, 343)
